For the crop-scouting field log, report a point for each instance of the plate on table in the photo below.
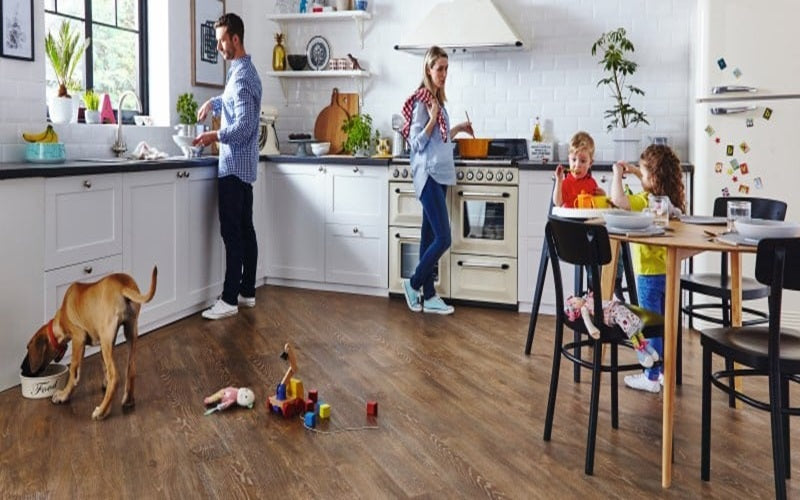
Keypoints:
(648, 231)
(319, 53)
(703, 220)
(757, 229)
(579, 213)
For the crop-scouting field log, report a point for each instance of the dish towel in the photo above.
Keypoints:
(425, 97)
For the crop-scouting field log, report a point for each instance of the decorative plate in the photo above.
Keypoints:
(319, 53)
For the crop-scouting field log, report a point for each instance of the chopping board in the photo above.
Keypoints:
(328, 127)
(349, 102)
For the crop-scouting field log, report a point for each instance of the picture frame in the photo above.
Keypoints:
(208, 65)
(16, 38)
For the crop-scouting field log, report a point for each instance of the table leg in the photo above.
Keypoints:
(610, 272)
(735, 259)
(670, 350)
(544, 259)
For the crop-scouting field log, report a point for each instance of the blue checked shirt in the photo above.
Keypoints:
(240, 105)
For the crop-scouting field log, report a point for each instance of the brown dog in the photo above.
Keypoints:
(92, 312)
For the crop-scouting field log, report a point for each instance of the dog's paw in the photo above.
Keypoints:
(98, 414)
(61, 396)
(128, 401)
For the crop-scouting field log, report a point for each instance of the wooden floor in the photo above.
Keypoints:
(461, 413)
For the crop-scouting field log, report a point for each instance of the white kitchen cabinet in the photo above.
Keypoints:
(83, 218)
(259, 220)
(171, 220)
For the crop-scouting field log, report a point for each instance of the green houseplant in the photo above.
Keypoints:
(359, 135)
(92, 102)
(615, 48)
(64, 51)
(187, 114)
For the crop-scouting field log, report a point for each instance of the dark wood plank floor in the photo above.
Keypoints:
(461, 413)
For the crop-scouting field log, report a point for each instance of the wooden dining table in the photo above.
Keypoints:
(682, 241)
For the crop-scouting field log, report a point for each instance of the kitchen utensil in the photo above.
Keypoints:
(319, 53)
(470, 123)
(473, 148)
(350, 103)
(398, 142)
(328, 127)
(268, 136)
(584, 200)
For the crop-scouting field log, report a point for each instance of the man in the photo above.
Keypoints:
(240, 105)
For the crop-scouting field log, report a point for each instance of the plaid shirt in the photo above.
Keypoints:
(240, 105)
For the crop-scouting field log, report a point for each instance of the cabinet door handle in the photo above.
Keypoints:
(88, 270)
(733, 110)
(320, 168)
(355, 170)
(407, 238)
(603, 179)
(87, 184)
(187, 174)
(355, 230)
(180, 175)
(483, 265)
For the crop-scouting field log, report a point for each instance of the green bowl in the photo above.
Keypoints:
(45, 152)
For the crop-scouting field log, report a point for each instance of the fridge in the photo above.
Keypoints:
(745, 138)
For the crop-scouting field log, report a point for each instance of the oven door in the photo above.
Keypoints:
(483, 279)
(404, 207)
(484, 220)
(404, 256)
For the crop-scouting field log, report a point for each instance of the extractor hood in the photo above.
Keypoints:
(463, 26)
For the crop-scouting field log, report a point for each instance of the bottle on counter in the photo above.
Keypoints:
(537, 131)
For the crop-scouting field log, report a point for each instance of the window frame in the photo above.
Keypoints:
(144, 88)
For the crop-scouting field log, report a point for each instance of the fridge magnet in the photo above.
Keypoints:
(725, 192)
(748, 122)
(716, 140)
(735, 164)
(757, 183)
(744, 147)
(744, 189)
(743, 168)
(729, 150)
(737, 72)
(730, 171)
(718, 167)
(709, 130)
(767, 113)
(721, 63)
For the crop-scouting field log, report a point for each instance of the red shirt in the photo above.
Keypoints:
(571, 187)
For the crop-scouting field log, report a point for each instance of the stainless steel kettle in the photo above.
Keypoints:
(399, 142)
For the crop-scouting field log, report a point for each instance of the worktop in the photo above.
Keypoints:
(98, 166)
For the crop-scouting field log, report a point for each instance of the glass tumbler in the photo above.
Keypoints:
(737, 210)
(659, 206)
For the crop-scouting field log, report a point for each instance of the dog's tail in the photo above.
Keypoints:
(134, 295)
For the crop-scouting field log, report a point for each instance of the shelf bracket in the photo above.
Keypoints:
(360, 27)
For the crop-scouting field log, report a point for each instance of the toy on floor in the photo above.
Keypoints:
(288, 398)
(243, 396)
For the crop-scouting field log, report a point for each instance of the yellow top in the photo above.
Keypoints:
(648, 260)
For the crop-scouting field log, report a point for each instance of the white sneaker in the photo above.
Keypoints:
(220, 309)
(246, 301)
(641, 382)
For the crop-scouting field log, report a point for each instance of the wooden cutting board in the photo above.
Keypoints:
(328, 127)
(350, 103)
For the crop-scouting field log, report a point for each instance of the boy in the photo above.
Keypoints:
(581, 156)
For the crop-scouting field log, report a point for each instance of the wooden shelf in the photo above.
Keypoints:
(358, 16)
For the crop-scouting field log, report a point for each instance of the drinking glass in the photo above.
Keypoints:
(737, 210)
(659, 205)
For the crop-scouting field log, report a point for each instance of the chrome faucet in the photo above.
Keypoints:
(119, 146)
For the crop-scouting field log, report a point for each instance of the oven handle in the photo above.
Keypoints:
(409, 238)
(404, 191)
(483, 265)
(475, 194)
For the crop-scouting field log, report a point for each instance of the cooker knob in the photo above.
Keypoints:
(470, 175)
(489, 175)
(509, 176)
(405, 173)
(500, 177)
(460, 175)
(479, 175)
(396, 173)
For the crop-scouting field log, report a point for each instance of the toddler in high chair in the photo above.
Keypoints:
(614, 313)
(579, 180)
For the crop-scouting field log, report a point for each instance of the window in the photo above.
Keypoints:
(116, 59)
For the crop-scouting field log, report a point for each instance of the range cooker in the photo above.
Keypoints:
(481, 265)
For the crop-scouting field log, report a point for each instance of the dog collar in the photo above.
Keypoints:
(59, 348)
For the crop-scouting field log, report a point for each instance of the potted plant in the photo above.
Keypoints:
(360, 139)
(64, 51)
(187, 114)
(92, 102)
(615, 47)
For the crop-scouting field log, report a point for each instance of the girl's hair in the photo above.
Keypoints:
(431, 56)
(582, 141)
(664, 169)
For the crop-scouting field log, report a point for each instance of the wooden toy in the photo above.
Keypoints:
(312, 395)
(288, 397)
(310, 419)
(324, 410)
(372, 408)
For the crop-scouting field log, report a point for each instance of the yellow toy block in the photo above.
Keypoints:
(324, 410)
(296, 388)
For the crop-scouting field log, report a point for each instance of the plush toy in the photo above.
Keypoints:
(243, 396)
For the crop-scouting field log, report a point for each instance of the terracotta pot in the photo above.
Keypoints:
(473, 148)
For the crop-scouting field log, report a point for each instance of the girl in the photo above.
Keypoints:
(428, 132)
(660, 172)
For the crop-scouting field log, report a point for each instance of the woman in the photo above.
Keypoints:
(429, 135)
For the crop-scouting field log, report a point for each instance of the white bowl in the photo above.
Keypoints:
(320, 148)
(143, 120)
(624, 219)
(183, 141)
(52, 379)
(762, 228)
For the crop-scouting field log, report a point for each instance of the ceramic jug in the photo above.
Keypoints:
(584, 200)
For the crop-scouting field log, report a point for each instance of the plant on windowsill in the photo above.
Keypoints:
(360, 139)
(615, 47)
(92, 102)
(187, 114)
(64, 50)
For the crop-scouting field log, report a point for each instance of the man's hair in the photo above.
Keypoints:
(233, 25)
(582, 141)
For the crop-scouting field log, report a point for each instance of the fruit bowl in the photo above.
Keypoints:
(320, 148)
(52, 379)
(297, 61)
(761, 228)
(623, 219)
(45, 152)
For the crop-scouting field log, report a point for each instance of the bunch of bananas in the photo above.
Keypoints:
(48, 135)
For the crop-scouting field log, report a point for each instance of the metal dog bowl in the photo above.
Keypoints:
(52, 379)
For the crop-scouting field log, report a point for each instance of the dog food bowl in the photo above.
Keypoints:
(52, 379)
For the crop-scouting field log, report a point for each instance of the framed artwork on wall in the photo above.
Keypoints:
(17, 29)
(208, 65)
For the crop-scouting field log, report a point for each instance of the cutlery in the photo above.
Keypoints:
(470, 122)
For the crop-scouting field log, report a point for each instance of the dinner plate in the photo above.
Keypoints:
(648, 231)
(319, 53)
(705, 220)
(736, 239)
(579, 213)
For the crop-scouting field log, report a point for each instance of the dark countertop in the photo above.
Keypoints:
(96, 167)
(328, 160)
(598, 166)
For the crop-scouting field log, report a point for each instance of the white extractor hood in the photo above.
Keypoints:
(463, 26)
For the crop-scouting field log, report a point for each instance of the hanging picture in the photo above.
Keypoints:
(208, 65)
(17, 34)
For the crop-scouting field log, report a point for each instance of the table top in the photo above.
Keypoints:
(686, 236)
